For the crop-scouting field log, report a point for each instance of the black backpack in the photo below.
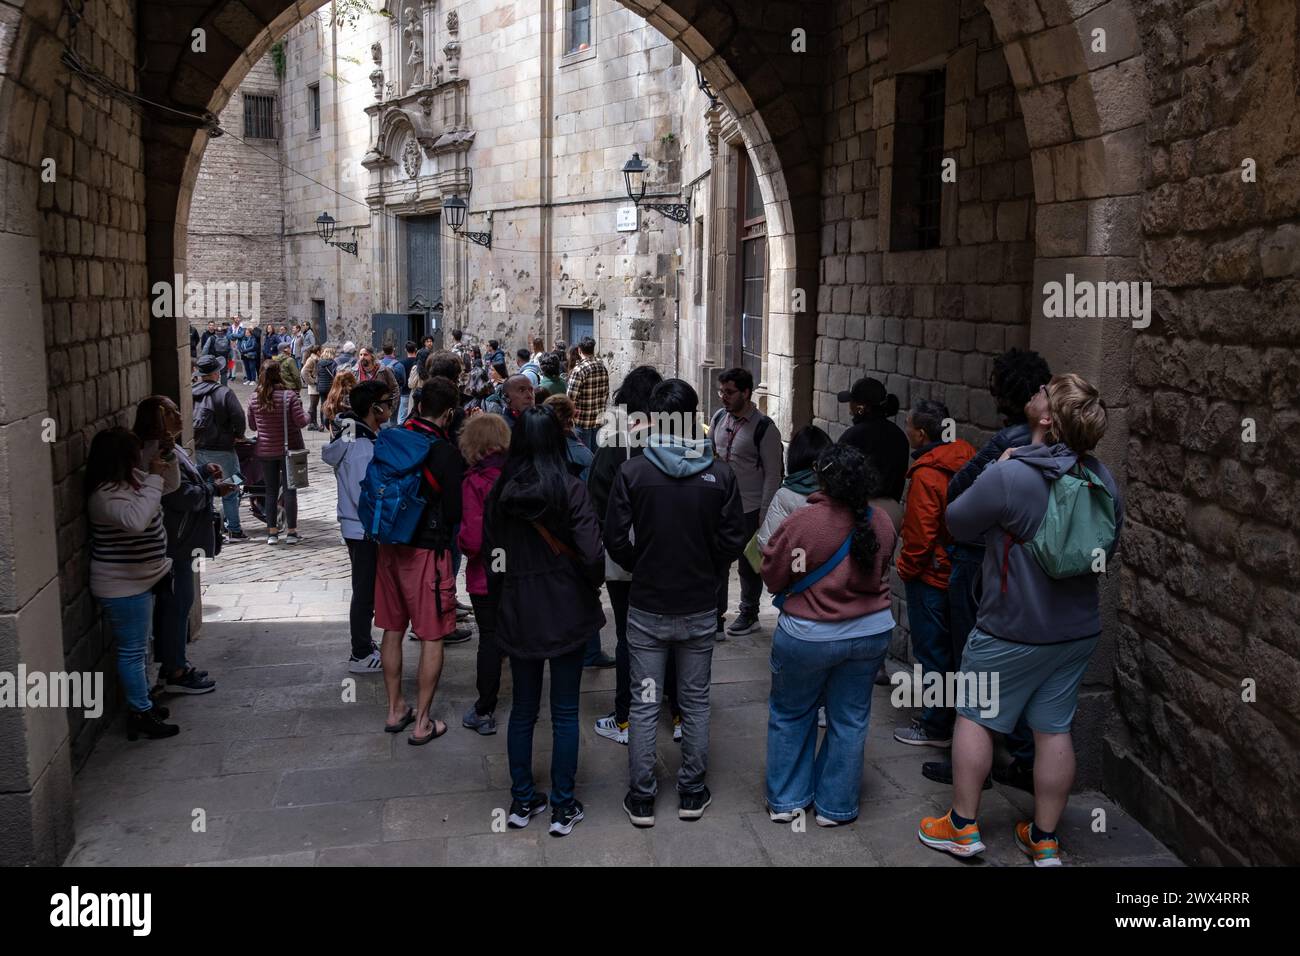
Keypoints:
(207, 424)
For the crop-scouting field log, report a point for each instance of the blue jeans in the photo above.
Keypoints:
(129, 622)
(930, 623)
(402, 405)
(566, 681)
(250, 368)
(803, 673)
(588, 436)
(229, 462)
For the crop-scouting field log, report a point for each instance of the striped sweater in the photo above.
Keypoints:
(128, 544)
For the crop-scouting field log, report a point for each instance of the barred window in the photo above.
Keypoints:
(259, 116)
(313, 106)
(917, 193)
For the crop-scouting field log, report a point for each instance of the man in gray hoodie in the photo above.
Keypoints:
(675, 519)
(349, 455)
(1034, 634)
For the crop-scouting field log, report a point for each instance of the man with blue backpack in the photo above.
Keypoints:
(1050, 515)
(410, 504)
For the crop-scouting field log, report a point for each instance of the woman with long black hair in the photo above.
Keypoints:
(541, 518)
(128, 560)
(830, 638)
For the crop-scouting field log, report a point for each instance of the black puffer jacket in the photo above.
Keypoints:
(549, 602)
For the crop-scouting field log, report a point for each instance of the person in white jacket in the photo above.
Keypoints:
(349, 455)
(128, 559)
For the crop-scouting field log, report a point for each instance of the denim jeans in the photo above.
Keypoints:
(652, 639)
(229, 462)
(250, 369)
(930, 623)
(566, 681)
(129, 621)
(588, 436)
(171, 618)
(363, 557)
(803, 674)
(402, 405)
(751, 585)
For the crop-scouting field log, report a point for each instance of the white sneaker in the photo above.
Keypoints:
(370, 664)
(608, 728)
(292, 538)
(821, 716)
(787, 816)
(677, 730)
(272, 539)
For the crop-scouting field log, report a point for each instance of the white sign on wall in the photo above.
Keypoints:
(627, 218)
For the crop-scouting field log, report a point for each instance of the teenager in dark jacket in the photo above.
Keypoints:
(675, 521)
(414, 584)
(876, 436)
(224, 423)
(187, 518)
(541, 517)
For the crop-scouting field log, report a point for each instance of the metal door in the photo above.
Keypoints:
(389, 328)
(423, 260)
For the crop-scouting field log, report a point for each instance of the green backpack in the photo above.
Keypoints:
(1080, 519)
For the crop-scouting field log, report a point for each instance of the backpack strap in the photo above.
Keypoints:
(812, 577)
(557, 546)
(1008, 540)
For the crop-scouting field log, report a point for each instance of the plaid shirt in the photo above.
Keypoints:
(589, 389)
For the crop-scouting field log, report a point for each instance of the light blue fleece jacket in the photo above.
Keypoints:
(349, 460)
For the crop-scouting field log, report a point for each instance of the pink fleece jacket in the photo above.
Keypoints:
(810, 535)
(474, 490)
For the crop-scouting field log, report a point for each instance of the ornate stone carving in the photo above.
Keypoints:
(452, 52)
(377, 81)
(414, 33)
(377, 53)
(412, 158)
(453, 22)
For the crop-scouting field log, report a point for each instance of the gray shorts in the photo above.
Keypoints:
(1039, 680)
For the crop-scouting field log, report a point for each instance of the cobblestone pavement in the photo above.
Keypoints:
(286, 773)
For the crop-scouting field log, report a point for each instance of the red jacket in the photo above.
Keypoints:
(925, 535)
(478, 483)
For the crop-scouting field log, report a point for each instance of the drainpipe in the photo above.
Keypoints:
(334, 121)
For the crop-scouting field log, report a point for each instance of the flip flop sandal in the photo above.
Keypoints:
(406, 721)
(415, 741)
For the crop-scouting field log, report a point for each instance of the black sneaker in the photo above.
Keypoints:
(1016, 774)
(148, 723)
(521, 812)
(940, 771)
(693, 805)
(191, 682)
(564, 819)
(745, 623)
(640, 810)
(236, 536)
(458, 636)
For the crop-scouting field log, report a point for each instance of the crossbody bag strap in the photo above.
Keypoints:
(286, 424)
(556, 545)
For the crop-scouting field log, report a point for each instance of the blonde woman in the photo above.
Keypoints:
(309, 379)
(327, 367)
(336, 402)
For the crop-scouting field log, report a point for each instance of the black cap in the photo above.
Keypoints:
(208, 364)
(865, 391)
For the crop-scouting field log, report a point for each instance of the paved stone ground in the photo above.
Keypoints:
(286, 773)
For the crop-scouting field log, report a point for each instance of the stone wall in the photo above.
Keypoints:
(1209, 597)
(237, 214)
(93, 281)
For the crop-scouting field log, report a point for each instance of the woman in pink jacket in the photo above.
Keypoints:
(828, 564)
(483, 443)
(277, 414)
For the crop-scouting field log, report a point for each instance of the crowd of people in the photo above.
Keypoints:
(448, 456)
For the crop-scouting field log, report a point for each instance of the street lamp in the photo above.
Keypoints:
(705, 87)
(325, 224)
(455, 208)
(634, 171)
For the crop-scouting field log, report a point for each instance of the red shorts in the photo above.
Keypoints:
(415, 586)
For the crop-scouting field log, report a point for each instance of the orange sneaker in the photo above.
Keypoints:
(1043, 853)
(938, 833)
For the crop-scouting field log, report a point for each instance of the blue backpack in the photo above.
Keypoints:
(390, 505)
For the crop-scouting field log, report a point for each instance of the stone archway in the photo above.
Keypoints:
(750, 64)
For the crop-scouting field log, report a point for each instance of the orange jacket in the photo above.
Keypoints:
(925, 535)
